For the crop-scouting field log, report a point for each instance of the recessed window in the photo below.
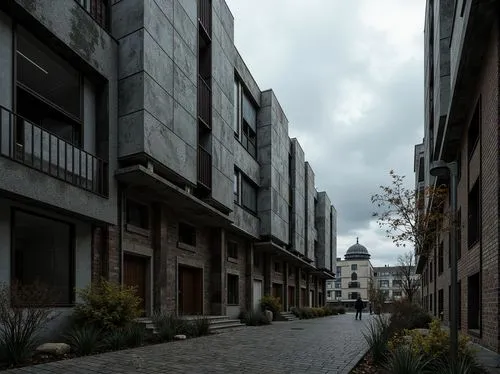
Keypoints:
(397, 283)
(440, 302)
(232, 250)
(354, 276)
(473, 131)
(233, 289)
(43, 254)
(303, 276)
(137, 214)
(338, 294)
(248, 195)
(440, 258)
(354, 267)
(397, 293)
(339, 271)
(474, 222)
(277, 267)
(338, 285)
(245, 119)
(474, 302)
(236, 186)
(187, 234)
(249, 139)
(256, 259)
(384, 283)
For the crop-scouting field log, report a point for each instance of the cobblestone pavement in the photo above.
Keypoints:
(324, 345)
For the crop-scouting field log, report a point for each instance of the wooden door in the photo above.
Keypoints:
(134, 275)
(190, 291)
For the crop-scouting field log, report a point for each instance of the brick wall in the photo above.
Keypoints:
(105, 253)
(238, 267)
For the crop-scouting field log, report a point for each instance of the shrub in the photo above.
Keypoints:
(271, 303)
(404, 361)
(341, 310)
(464, 365)
(255, 319)
(107, 305)
(295, 311)
(407, 315)
(377, 337)
(168, 325)
(84, 339)
(22, 319)
(115, 340)
(134, 335)
(200, 326)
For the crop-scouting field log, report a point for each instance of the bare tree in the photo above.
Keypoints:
(406, 273)
(401, 212)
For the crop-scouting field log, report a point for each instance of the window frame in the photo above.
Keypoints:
(354, 267)
(234, 251)
(71, 248)
(131, 201)
(194, 235)
(233, 290)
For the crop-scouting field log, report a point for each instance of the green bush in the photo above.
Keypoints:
(341, 310)
(255, 319)
(168, 325)
(134, 335)
(404, 361)
(107, 305)
(271, 303)
(200, 326)
(295, 311)
(409, 316)
(377, 337)
(115, 340)
(465, 364)
(22, 317)
(84, 339)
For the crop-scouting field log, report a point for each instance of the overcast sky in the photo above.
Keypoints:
(349, 76)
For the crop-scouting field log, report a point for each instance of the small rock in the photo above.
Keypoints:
(54, 348)
(269, 315)
(180, 337)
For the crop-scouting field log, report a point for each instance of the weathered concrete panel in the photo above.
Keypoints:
(246, 77)
(222, 188)
(131, 134)
(131, 54)
(184, 58)
(185, 125)
(159, 26)
(191, 9)
(246, 163)
(158, 64)
(323, 253)
(185, 92)
(223, 131)
(222, 159)
(309, 208)
(245, 221)
(185, 26)
(158, 102)
(127, 16)
(131, 94)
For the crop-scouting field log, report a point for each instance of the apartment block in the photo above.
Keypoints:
(136, 146)
(461, 125)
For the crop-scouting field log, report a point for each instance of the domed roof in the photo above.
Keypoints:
(357, 252)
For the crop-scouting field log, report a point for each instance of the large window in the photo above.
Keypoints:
(232, 249)
(187, 234)
(245, 119)
(245, 192)
(384, 283)
(233, 289)
(137, 214)
(43, 254)
(474, 222)
(49, 90)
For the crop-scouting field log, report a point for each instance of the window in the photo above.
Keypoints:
(277, 267)
(329, 294)
(354, 267)
(137, 214)
(384, 283)
(338, 294)
(397, 283)
(303, 276)
(236, 186)
(440, 258)
(233, 289)
(48, 90)
(339, 271)
(474, 222)
(256, 259)
(248, 195)
(473, 131)
(354, 276)
(338, 284)
(232, 250)
(430, 272)
(43, 253)
(187, 234)
(440, 302)
(245, 119)
(397, 293)
(354, 285)
(353, 295)
(431, 301)
(474, 302)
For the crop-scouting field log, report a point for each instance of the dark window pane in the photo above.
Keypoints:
(232, 289)
(248, 195)
(137, 214)
(187, 234)
(43, 252)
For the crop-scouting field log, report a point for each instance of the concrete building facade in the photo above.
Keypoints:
(461, 124)
(389, 279)
(136, 131)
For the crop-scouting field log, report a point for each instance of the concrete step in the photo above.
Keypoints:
(289, 316)
(226, 325)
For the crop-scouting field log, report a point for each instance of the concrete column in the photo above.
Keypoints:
(308, 290)
(249, 269)
(297, 287)
(164, 289)
(285, 286)
(316, 293)
(217, 289)
(267, 274)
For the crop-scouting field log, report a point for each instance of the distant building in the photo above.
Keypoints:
(353, 276)
(390, 280)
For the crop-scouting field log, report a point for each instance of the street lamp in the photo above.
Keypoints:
(443, 169)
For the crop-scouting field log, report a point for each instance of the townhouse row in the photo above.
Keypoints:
(136, 146)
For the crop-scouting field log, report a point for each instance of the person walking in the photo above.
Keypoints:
(358, 305)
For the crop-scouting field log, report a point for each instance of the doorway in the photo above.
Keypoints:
(135, 269)
(257, 294)
(291, 297)
(190, 290)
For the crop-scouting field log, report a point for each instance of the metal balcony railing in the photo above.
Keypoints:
(205, 15)
(98, 10)
(26, 143)
(204, 101)
(204, 168)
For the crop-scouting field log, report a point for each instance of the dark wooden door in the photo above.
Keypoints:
(134, 275)
(303, 297)
(190, 291)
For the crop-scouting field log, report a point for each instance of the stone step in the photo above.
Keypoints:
(289, 316)
(226, 326)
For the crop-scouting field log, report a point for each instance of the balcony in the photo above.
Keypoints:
(353, 285)
(28, 144)
(204, 102)
(98, 10)
(204, 168)
(205, 16)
